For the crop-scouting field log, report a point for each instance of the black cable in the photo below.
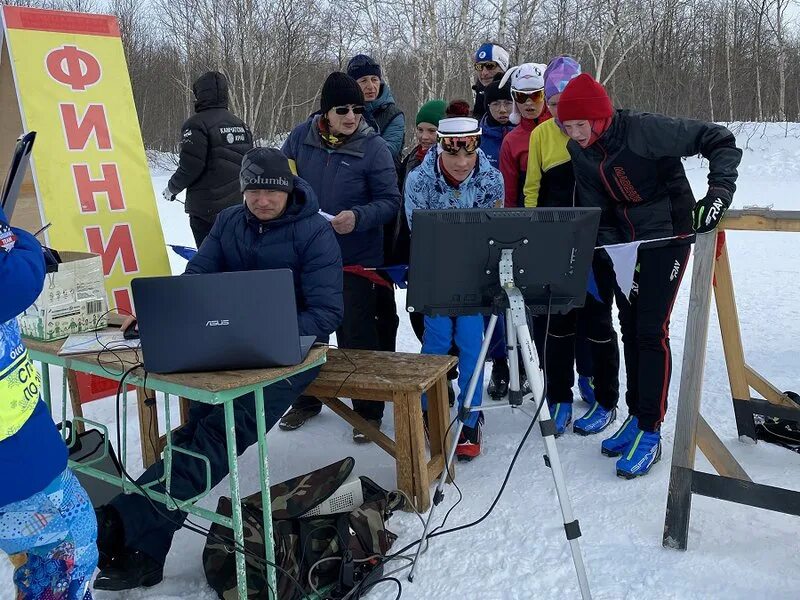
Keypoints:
(436, 532)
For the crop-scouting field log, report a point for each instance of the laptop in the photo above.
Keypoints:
(219, 321)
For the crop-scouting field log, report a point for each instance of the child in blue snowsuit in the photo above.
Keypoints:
(456, 175)
(47, 523)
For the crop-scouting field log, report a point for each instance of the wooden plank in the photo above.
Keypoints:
(373, 433)
(344, 389)
(729, 326)
(438, 421)
(676, 522)
(435, 468)
(373, 372)
(770, 393)
(75, 400)
(148, 427)
(419, 460)
(762, 220)
(404, 448)
(716, 452)
(26, 214)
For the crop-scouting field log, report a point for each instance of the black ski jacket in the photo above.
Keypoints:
(635, 175)
(213, 143)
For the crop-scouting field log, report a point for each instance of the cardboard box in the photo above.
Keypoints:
(73, 300)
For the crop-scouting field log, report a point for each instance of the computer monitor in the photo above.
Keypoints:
(455, 256)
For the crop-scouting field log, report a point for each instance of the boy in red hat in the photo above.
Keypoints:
(629, 165)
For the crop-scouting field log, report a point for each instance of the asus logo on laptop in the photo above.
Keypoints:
(220, 323)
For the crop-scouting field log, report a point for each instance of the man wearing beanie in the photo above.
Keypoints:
(351, 170)
(456, 175)
(490, 60)
(213, 141)
(277, 226)
(583, 338)
(382, 112)
(629, 165)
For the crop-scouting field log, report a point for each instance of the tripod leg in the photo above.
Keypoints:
(571, 526)
(514, 393)
(438, 496)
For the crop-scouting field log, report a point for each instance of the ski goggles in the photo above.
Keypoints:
(454, 144)
(522, 97)
(343, 110)
(488, 66)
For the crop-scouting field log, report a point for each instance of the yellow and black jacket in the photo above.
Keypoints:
(550, 180)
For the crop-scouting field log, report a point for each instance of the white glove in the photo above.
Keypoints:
(167, 195)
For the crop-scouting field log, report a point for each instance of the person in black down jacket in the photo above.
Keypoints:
(277, 227)
(352, 171)
(213, 141)
(629, 165)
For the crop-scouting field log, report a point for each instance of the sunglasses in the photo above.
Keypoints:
(343, 110)
(453, 145)
(522, 97)
(489, 66)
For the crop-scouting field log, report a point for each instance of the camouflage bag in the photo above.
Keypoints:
(303, 545)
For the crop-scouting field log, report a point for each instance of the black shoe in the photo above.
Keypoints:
(131, 569)
(110, 535)
(498, 385)
(361, 438)
(451, 394)
(296, 417)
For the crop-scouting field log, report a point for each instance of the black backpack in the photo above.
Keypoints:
(329, 552)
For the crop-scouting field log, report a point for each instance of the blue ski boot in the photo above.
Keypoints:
(561, 413)
(586, 387)
(594, 421)
(619, 442)
(644, 452)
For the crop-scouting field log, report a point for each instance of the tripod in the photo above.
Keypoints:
(519, 342)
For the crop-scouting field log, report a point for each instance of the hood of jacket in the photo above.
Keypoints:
(385, 97)
(210, 91)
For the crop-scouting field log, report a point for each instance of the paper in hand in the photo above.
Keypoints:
(328, 217)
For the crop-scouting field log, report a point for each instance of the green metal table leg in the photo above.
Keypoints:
(46, 383)
(236, 509)
(266, 500)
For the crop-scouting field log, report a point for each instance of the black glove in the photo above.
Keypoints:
(708, 212)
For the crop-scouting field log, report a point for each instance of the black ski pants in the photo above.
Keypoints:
(644, 320)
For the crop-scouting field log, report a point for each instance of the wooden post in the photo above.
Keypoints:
(732, 342)
(679, 501)
(75, 400)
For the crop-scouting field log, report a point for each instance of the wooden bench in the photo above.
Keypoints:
(401, 379)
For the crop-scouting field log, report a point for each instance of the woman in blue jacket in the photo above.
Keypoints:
(353, 174)
(47, 523)
(382, 113)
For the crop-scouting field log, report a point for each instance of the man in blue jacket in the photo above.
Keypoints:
(277, 226)
(351, 169)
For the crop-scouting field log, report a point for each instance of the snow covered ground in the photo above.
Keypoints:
(519, 552)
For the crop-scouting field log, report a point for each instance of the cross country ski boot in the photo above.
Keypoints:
(498, 385)
(643, 453)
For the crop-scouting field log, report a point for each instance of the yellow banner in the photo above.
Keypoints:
(89, 164)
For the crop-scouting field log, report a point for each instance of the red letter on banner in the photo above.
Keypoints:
(88, 187)
(94, 121)
(120, 243)
(122, 301)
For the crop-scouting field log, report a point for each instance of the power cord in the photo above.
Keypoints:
(359, 591)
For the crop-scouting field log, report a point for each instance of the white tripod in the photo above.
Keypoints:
(519, 340)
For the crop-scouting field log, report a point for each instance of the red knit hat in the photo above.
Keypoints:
(584, 99)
